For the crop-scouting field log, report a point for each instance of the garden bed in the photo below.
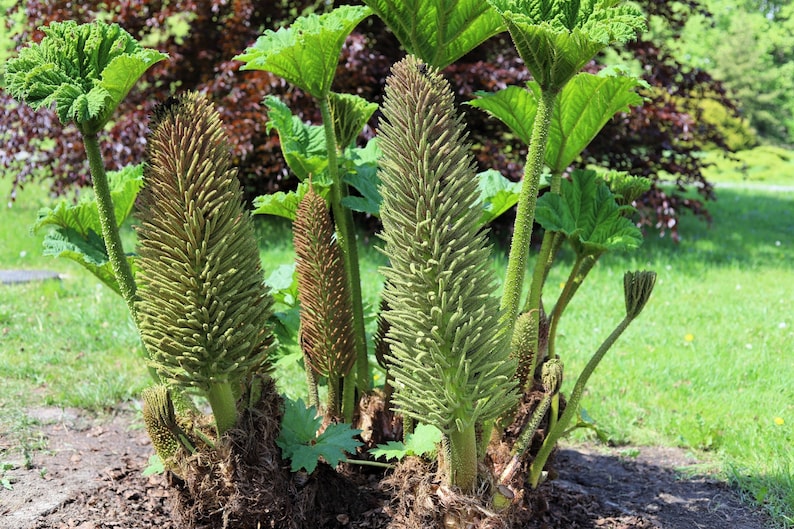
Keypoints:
(90, 477)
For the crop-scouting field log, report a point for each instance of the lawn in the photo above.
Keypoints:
(708, 365)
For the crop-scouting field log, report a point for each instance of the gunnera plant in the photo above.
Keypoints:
(203, 313)
(449, 353)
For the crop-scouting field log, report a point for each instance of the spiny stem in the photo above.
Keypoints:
(107, 218)
(311, 382)
(346, 238)
(332, 400)
(525, 214)
(572, 406)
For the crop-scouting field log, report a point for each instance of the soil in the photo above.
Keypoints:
(90, 477)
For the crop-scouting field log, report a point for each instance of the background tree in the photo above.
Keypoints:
(747, 45)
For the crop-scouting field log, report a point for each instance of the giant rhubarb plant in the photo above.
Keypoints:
(555, 39)
(204, 308)
(85, 70)
(306, 55)
(450, 357)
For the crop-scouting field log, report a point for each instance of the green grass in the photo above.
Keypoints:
(765, 165)
(708, 365)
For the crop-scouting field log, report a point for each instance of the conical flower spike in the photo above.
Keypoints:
(450, 355)
(203, 306)
(325, 309)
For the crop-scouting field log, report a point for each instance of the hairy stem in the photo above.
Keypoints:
(110, 229)
(524, 439)
(224, 406)
(581, 268)
(462, 462)
(572, 406)
(346, 238)
(525, 213)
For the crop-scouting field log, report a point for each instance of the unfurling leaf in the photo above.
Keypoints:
(626, 188)
(438, 31)
(303, 145)
(86, 70)
(307, 52)
(556, 39)
(587, 213)
(301, 444)
(637, 288)
(350, 113)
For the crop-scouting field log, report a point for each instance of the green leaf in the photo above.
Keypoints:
(75, 228)
(303, 145)
(556, 39)
(438, 31)
(306, 53)
(83, 217)
(86, 70)
(361, 172)
(300, 443)
(283, 284)
(587, 213)
(280, 204)
(497, 194)
(585, 105)
(514, 106)
(582, 109)
(350, 113)
(391, 450)
(88, 250)
(422, 442)
(155, 466)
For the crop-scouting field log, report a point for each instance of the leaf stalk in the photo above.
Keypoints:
(107, 218)
(525, 213)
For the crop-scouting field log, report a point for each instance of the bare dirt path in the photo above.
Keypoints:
(90, 477)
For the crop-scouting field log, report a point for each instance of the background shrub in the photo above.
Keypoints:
(658, 140)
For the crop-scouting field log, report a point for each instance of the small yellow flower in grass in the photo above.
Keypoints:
(562, 285)
(688, 337)
(779, 421)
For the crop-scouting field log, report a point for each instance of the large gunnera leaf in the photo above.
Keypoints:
(85, 69)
